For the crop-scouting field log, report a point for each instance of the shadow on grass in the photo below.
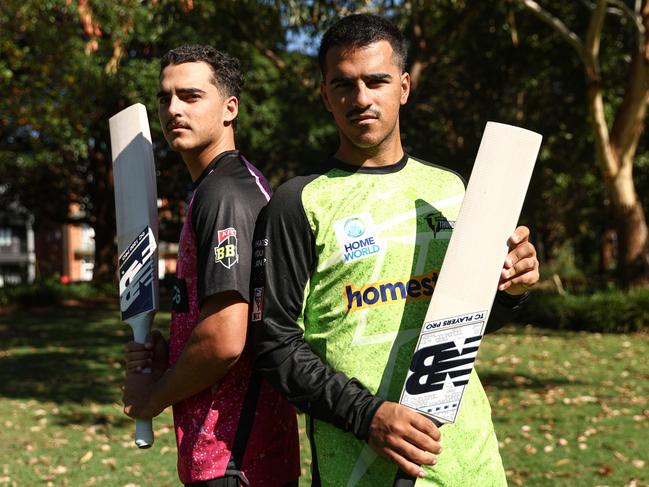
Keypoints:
(85, 417)
(62, 354)
(517, 380)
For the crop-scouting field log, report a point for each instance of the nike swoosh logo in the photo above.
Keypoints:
(387, 194)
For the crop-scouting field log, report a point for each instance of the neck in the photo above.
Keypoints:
(197, 160)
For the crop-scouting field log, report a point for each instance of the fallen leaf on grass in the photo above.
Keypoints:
(563, 461)
(530, 449)
(605, 470)
(517, 477)
(59, 470)
(637, 463)
(621, 457)
(86, 458)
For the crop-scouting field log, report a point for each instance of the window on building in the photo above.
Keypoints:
(5, 237)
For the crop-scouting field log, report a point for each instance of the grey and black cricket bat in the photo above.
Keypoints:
(468, 279)
(136, 212)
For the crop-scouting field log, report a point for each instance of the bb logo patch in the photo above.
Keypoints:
(358, 237)
(226, 252)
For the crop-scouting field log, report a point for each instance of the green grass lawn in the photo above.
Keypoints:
(570, 408)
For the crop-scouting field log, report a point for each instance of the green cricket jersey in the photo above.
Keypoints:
(345, 262)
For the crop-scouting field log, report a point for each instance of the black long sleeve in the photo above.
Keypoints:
(284, 256)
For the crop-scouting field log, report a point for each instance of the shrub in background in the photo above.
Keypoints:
(611, 311)
(50, 292)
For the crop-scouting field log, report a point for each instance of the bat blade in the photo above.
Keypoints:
(468, 279)
(136, 213)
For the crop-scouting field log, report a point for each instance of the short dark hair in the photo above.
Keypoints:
(361, 30)
(226, 69)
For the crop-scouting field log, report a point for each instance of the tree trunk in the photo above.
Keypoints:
(616, 151)
(103, 220)
(630, 221)
(633, 257)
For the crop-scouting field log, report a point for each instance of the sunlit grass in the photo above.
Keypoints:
(569, 408)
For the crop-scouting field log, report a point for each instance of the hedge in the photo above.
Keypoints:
(612, 311)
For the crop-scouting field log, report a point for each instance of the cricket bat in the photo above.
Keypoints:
(468, 279)
(136, 212)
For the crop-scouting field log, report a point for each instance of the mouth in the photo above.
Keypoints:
(363, 118)
(363, 121)
(175, 125)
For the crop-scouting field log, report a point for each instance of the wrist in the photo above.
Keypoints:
(156, 402)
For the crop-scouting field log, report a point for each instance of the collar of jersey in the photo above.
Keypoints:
(212, 165)
(396, 167)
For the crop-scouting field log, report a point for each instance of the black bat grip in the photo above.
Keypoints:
(402, 479)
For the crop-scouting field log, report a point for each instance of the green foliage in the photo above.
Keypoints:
(611, 311)
(474, 61)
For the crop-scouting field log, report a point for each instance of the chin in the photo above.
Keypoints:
(179, 145)
(366, 142)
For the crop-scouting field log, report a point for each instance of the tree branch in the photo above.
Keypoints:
(594, 34)
(557, 25)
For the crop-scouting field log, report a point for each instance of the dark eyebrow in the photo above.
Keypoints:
(378, 77)
(181, 91)
(372, 78)
(340, 79)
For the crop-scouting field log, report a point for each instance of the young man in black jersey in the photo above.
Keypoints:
(231, 427)
(348, 268)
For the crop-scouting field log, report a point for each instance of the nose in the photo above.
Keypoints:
(362, 97)
(174, 106)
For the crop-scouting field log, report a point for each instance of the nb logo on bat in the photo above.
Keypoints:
(136, 273)
(432, 365)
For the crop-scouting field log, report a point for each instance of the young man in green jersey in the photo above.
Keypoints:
(345, 262)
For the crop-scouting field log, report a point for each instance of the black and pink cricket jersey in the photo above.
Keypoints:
(215, 253)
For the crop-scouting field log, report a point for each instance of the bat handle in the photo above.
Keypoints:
(143, 433)
(402, 479)
(141, 325)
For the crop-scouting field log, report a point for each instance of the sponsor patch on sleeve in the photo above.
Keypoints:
(226, 252)
(257, 303)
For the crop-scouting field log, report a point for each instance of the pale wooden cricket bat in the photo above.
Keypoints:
(469, 276)
(136, 212)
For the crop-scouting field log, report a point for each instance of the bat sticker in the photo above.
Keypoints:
(136, 275)
(441, 366)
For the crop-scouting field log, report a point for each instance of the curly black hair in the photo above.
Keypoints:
(226, 69)
(361, 30)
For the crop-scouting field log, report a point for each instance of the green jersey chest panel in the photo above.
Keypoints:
(380, 239)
